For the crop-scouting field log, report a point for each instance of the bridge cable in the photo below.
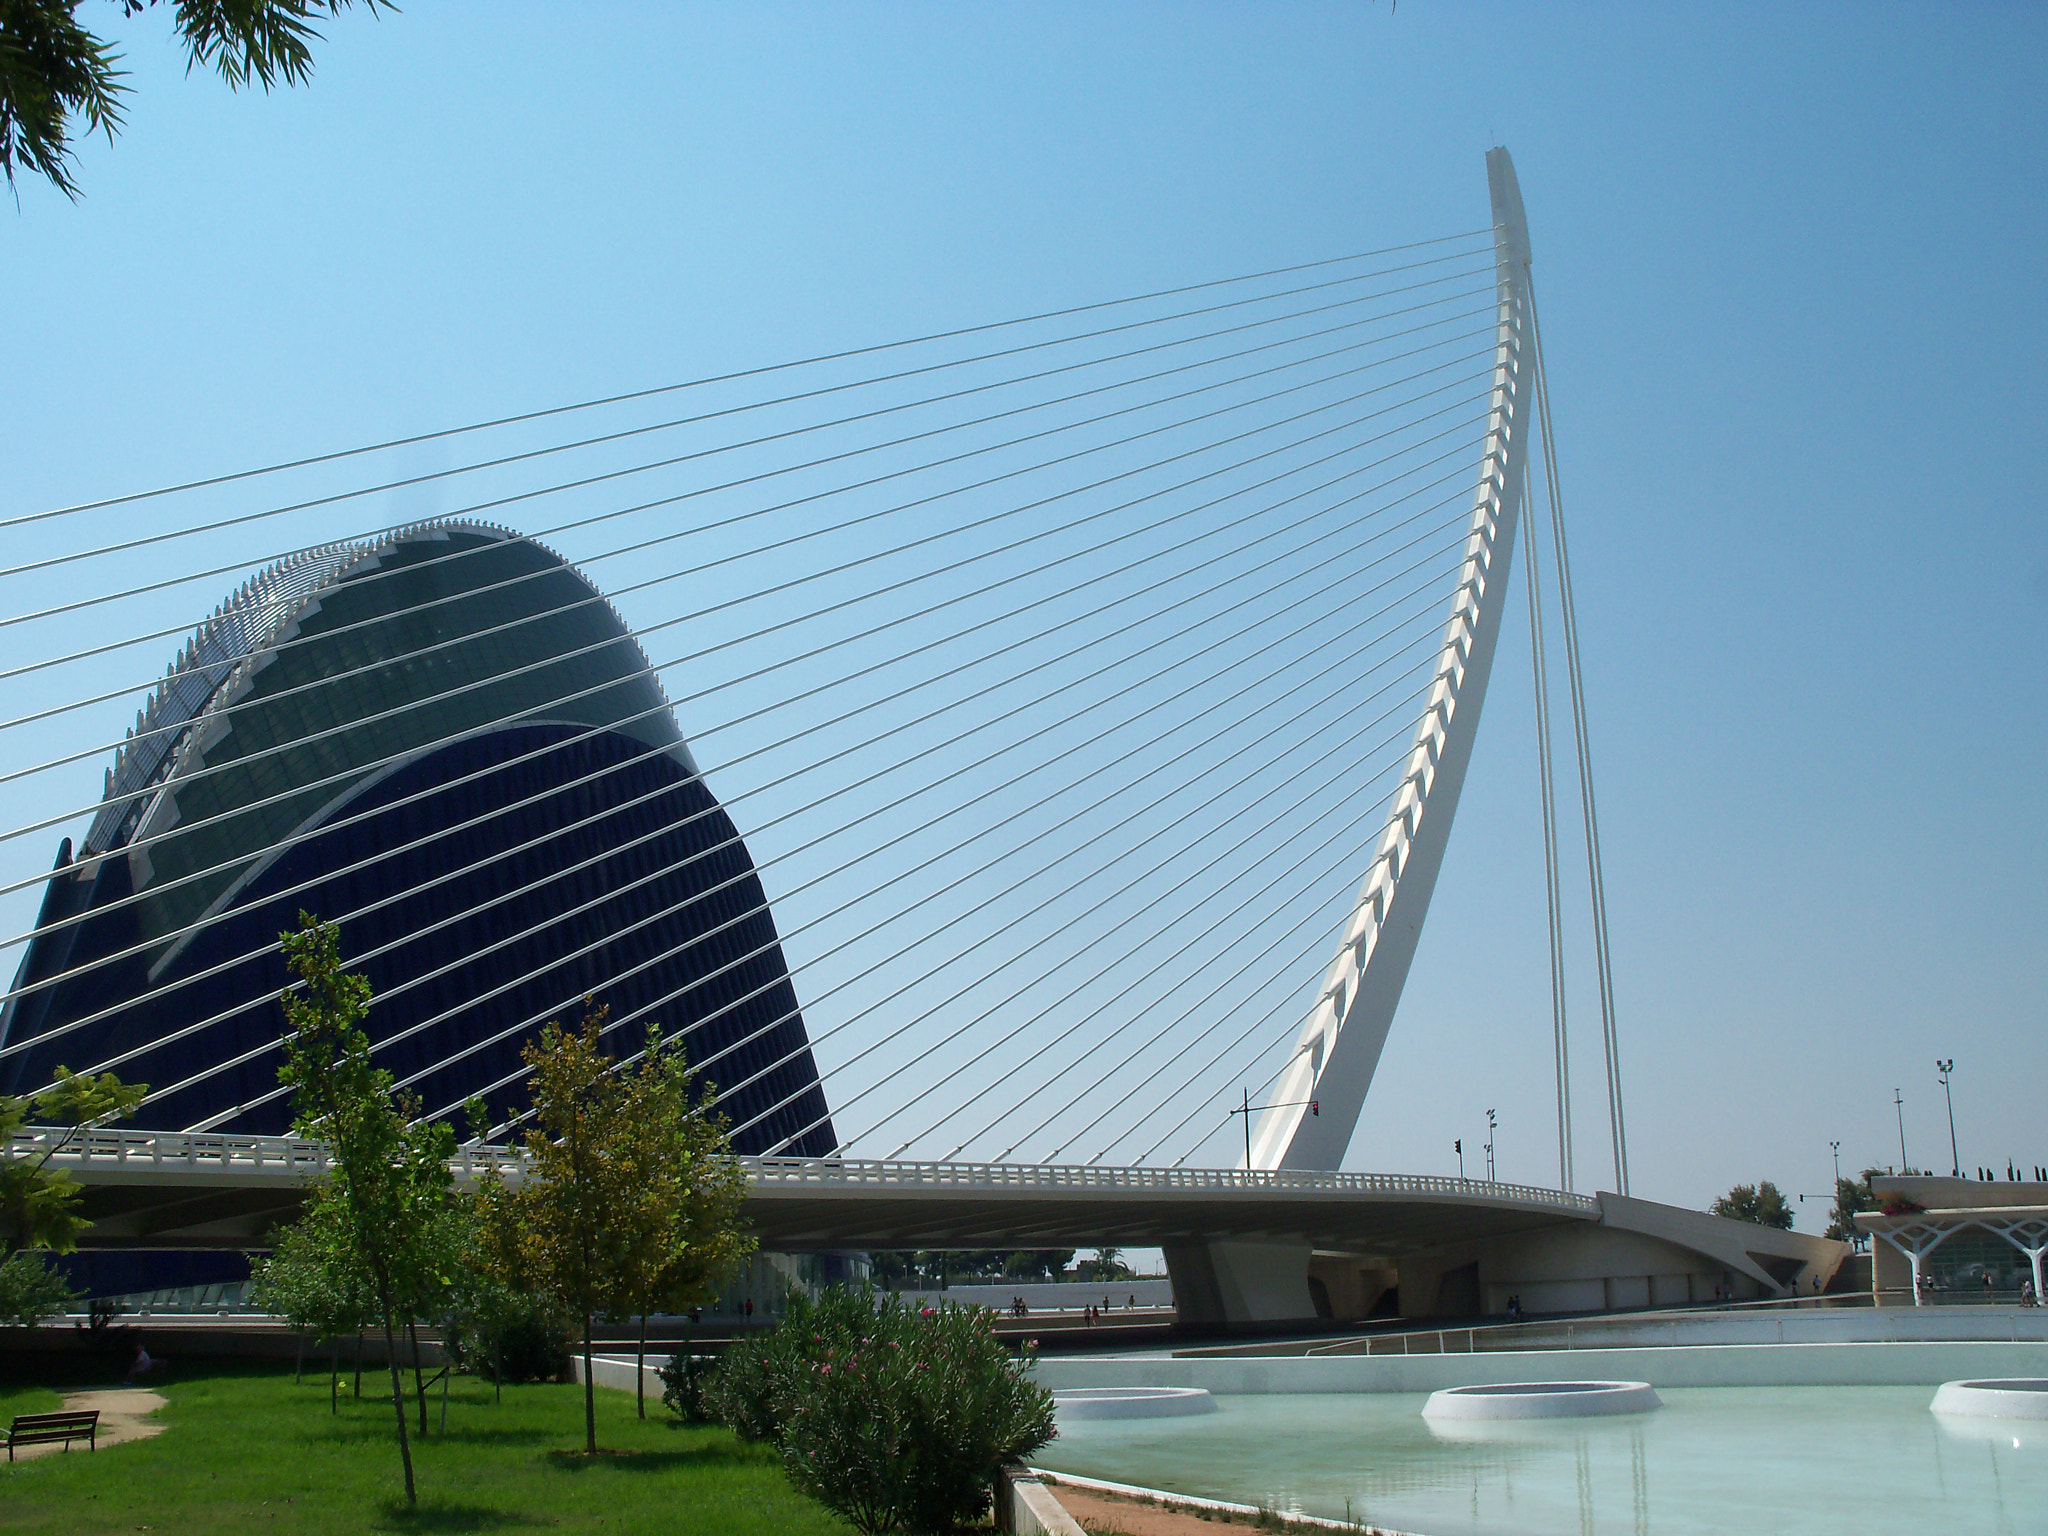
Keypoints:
(1561, 1057)
(697, 981)
(949, 603)
(1596, 880)
(637, 547)
(149, 540)
(663, 389)
(155, 1044)
(867, 559)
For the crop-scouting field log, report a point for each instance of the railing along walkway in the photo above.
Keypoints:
(291, 1156)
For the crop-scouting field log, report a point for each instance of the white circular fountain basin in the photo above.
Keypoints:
(1131, 1402)
(1542, 1400)
(1999, 1397)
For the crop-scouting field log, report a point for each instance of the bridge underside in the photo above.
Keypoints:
(1244, 1251)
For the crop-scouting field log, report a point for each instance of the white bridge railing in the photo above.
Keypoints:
(855, 1173)
(289, 1156)
(277, 1156)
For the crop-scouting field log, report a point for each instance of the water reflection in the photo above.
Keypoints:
(1800, 1461)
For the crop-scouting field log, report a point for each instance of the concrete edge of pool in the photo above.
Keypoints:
(1994, 1397)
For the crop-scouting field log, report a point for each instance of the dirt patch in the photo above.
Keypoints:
(124, 1416)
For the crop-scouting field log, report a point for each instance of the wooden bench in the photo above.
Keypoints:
(48, 1428)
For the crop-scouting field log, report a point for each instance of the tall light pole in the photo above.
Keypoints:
(1899, 1104)
(1490, 1123)
(1458, 1146)
(1955, 1157)
(1836, 1148)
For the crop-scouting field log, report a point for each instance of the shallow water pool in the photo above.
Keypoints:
(1792, 1461)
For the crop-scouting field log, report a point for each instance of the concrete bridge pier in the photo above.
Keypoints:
(1225, 1284)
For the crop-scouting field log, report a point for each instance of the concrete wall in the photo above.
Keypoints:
(1026, 1507)
(1736, 1365)
(1941, 1193)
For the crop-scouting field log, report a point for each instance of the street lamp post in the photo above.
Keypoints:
(1955, 1157)
(1836, 1148)
(1458, 1146)
(1899, 1104)
(1490, 1123)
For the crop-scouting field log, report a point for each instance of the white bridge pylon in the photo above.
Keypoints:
(1339, 1048)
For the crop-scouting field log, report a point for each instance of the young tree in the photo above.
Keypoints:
(1761, 1203)
(388, 1181)
(561, 1224)
(684, 1237)
(312, 1280)
(54, 71)
(38, 1203)
(628, 1199)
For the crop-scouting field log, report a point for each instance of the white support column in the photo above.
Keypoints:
(1920, 1239)
(2029, 1234)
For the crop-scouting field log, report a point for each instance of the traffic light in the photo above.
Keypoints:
(1314, 1108)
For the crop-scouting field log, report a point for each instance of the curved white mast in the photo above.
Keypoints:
(1340, 1046)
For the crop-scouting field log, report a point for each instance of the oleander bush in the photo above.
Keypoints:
(895, 1419)
(758, 1375)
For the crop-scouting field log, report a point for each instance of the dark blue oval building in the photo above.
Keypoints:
(447, 741)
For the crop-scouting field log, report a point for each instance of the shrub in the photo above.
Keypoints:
(31, 1291)
(758, 1375)
(894, 1419)
(685, 1386)
(505, 1335)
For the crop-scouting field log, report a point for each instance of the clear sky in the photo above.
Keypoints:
(1791, 264)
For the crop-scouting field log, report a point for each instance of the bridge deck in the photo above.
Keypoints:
(151, 1189)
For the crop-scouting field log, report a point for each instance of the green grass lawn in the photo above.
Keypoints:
(247, 1450)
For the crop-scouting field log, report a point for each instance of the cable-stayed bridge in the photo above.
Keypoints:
(975, 749)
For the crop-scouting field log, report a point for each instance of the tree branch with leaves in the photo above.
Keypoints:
(38, 1203)
(55, 73)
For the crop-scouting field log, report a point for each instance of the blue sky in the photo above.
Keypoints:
(1789, 262)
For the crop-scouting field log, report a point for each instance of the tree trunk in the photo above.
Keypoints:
(299, 1361)
(419, 1385)
(334, 1376)
(359, 1362)
(398, 1404)
(589, 1394)
(640, 1370)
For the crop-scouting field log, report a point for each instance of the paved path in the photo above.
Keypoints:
(125, 1414)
